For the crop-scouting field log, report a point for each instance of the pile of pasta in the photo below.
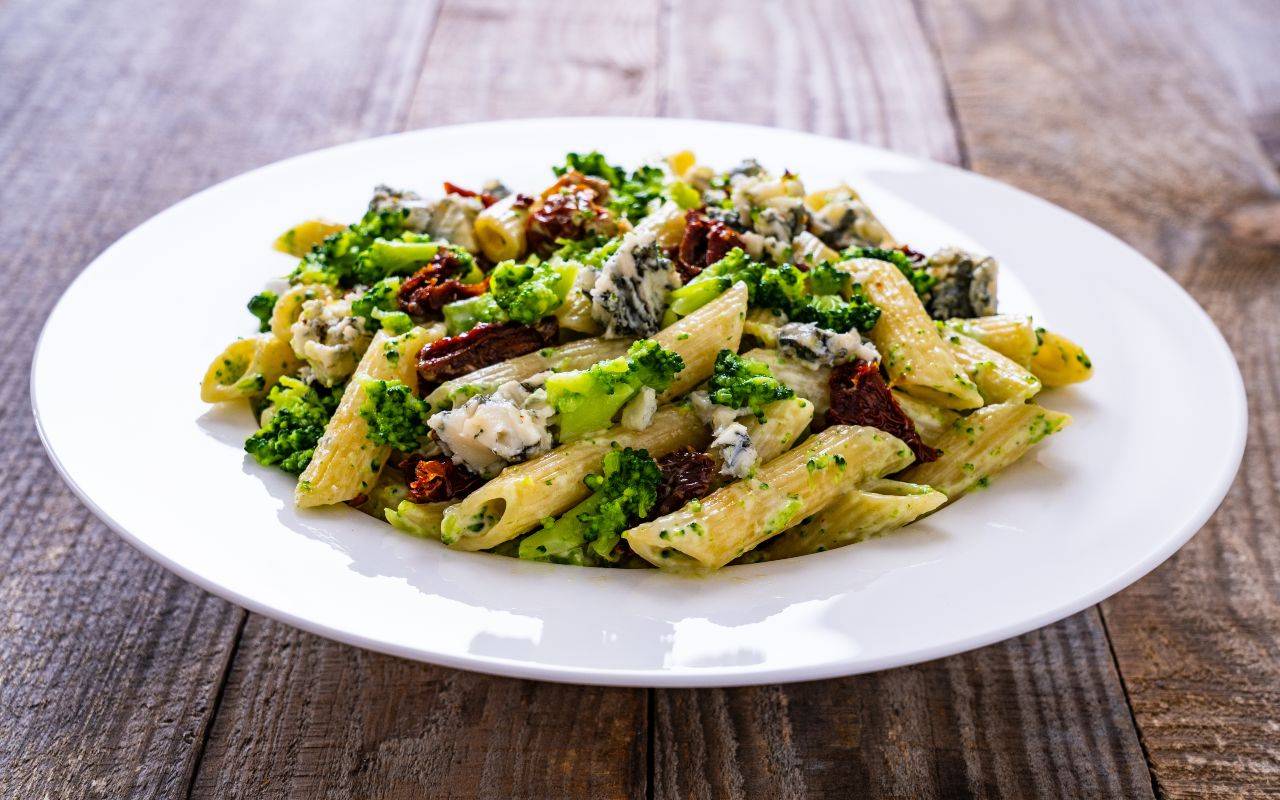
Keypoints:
(967, 384)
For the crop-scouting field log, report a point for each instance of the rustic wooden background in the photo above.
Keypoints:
(1158, 120)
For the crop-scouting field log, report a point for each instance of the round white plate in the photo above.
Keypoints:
(1157, 438)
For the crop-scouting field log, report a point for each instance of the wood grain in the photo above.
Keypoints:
(1117, 125)
(112, 666)
(1012, 720)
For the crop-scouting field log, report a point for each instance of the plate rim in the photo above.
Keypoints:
(689, 677)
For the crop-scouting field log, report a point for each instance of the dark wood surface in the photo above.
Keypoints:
(1158, 120)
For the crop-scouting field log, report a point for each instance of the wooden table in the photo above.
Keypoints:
(1158, 121)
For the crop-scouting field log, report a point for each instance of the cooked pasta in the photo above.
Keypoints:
(556, 375)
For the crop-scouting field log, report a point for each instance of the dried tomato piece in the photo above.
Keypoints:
(430, 288)
(686, 475)
(705, 242)
(481, 346)
(485, 198)
(859, 396)
(438, 479)
(572, 208)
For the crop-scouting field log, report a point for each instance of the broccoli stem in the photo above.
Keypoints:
(563, 537)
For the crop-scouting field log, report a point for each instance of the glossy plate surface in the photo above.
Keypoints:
(1148, 459)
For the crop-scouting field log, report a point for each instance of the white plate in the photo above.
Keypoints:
(1158, 436)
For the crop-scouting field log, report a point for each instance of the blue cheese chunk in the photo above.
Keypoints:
(818, 347)
(731, 442)
(966, 284)
(637, 414)
(329, 339)
(489, 431)
(630, 293)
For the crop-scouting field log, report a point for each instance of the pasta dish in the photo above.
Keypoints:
(670, 366)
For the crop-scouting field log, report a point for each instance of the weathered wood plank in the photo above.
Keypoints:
(1110, 121)
(1035, 717)
(1039, 716)
(302, 716)
(112, 666)
(306, 717)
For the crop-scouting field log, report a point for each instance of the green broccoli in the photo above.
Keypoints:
(394, 415)
(684, 195)
(834, 313)
(920, 280)
(588, 399)
(528, 292)
(631, 192)
(827, 278)
(293, 422)
(377, 306)
(590, 252)
(739, 382)
(587, 534)
(406, 254)
(261, 305)
(461, 316)
(337, 259)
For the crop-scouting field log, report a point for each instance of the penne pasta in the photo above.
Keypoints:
(578, 354)
(248, 368)
(522, 495)
(346, 463)
(1011, 335)
(913, 351)
(1059, 361)
(877, 507)
(785, 423)
(418, 519)
(668, 220)
(500, 229)
(983, 443)
(699, 337)
(709, 533)
(999, 379)
(809, 249)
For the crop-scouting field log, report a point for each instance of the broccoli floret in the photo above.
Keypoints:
(336, 260)
(261, 305)
(461, 316)
(408, 252)
(828, 279)
(781, 287)
(377, 307)
(528, 292)
(833, 313)
(590, 252)
(631, 192)
(739, 382)
(684, 195)
(914, 272)
(294, 421)
(394, 415)
(624, 492)
(588, 400)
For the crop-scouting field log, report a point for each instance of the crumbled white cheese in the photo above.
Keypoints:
(490, 431)
(329, 339)
(733, 445)
(630, 293)
(772, 207)
(814, 346)
(637, 414)
(845, 221)
(453, 219)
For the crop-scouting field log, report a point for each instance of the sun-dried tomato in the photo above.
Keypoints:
(859, 396)
(485, 198)
(481, 346)
(430, 288)
(686, 475)
(438, 479)
(572, 208)
(705, 242)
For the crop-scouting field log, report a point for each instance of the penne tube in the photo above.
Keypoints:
(500, 229)
(523, 495)
(1059, 361)
(699, 337)
(912, 350)
(983, 443)
(1011, 335)
(932, 423)
(346, 463)
(999, 379)
(709, 533)
(809, 249)
(248, 368)
(668, 220)
(784, 423)
(418, 519)
(578, 354)
(873, 509)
